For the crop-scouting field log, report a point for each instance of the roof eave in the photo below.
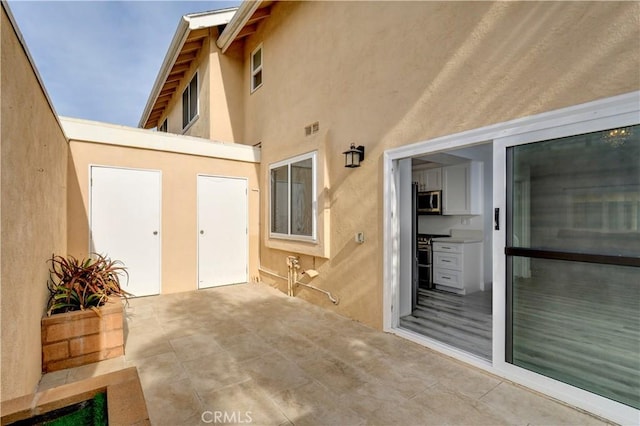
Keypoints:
(242, 16)
(186, 24)
(174, 49)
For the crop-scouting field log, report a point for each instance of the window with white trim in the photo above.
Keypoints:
(292, 212)
(256, 69)
(163, 126)
(190, 102)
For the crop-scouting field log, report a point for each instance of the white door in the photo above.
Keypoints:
(125, 223)
(222, 231)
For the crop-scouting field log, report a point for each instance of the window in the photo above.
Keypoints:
(256, 69)
(293, 197)
(163, 126)
(190, 102)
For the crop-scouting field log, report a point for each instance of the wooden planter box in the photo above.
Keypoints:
(77, 338)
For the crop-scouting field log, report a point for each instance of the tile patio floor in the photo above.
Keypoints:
(255, 354)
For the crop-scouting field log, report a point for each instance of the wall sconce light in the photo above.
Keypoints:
(353, 156)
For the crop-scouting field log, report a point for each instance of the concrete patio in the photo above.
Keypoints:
(249, 354)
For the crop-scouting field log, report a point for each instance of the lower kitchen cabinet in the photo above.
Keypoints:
(457, 266)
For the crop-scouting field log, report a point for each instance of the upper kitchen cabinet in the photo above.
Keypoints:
(428, 179)
(462, 189)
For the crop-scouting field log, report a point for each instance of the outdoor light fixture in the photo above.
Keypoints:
(353, 156)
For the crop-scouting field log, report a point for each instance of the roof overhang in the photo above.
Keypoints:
(231, 32)
(183, 50)
(192, 29)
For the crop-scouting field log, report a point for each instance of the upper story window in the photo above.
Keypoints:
(293, 198)
(256, 69)
(163, 126)
(190, 102)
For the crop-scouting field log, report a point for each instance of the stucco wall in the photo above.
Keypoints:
(33, 211)
(220, 113)
(200, 127)
(225, 93)
(387, 74)
(179, 203)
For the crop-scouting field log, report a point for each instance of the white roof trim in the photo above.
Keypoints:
(244, 13)
(186, 24)
(210, 19)
(132, 137)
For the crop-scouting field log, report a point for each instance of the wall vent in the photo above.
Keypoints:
(312, 128)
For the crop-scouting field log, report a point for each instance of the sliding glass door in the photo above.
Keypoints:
(573, 261)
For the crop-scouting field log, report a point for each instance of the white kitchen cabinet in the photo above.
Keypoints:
(428, 179)
(433, 179)
(457, 266)
(462, 189)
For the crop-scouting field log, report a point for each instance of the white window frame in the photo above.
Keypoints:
(258, 70)
(187, 89)
(163, 126)
(314, 200)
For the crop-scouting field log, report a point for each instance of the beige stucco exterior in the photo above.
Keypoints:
(220, 82)
(33, 211)
(378, 74)
(226, 83)
(179, 201)
(387, 74)
(200, 125)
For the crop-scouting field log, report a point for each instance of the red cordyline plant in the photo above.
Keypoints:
(83, 284)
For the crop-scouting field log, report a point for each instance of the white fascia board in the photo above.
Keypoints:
(187, 23)
(174, 49)
(210, 19)
(132, 137)
(243, 14)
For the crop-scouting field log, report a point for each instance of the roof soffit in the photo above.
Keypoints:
(244, 23)
(184, 49)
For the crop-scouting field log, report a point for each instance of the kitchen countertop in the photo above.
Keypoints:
(456, 240)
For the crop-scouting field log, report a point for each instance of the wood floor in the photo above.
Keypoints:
(584, 334)
(463, 322)
(579, 333)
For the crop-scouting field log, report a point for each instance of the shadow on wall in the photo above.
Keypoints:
(77, 215)
(499, 62)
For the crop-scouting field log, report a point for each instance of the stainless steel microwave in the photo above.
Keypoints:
(429, 202)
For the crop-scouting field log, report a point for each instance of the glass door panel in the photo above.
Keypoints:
(573, 261)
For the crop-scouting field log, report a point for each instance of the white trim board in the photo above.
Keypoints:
(626, 104)
(617, 111)
(112, 134)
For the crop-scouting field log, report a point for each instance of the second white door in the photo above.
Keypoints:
(222, 231)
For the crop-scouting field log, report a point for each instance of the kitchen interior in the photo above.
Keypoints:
(452, 199)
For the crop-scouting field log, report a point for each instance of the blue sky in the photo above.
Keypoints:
(98, 60)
